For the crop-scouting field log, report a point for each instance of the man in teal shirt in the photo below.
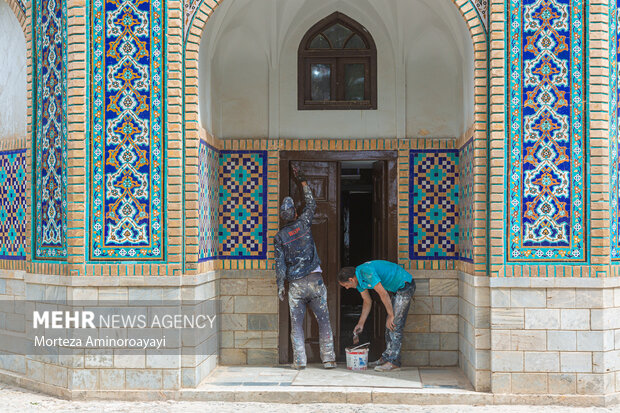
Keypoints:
(384, 277)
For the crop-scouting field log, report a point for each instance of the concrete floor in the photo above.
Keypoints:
(315, 375)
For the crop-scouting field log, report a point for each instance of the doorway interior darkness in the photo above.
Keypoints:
(355, 221)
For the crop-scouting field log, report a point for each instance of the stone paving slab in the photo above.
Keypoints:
(341, 377)
(13, 399)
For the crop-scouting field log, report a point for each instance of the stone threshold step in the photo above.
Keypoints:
(310, 394)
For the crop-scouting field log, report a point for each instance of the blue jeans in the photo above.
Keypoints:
(401, 301)
(310, 291)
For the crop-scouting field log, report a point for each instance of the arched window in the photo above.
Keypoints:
(337, 66)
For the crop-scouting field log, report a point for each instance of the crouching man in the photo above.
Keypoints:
(298, 262)
(384, 277)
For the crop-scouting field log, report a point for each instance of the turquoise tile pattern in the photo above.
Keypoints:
(13, 205)
(546, 171)
(50, 175)
(22, 5)
(243, 205)
(433, 204)
(614, 126)
(466, 202)
(208, 202)
(128, 174)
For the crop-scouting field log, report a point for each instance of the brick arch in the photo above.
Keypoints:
(479, 131)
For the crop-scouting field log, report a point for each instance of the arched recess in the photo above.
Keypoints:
(473, 133)
(475, 26)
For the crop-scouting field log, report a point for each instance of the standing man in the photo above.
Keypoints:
(383, 277)
(298, 262)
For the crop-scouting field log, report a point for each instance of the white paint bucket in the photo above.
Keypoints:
(357, 358)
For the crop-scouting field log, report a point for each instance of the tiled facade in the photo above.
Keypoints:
(119, 178)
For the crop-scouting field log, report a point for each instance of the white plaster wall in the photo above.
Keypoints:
(12, 75)
(248, 70)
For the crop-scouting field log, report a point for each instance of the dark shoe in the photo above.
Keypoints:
(387, 367)
(329, 365)
(296, 366)
(376, 362)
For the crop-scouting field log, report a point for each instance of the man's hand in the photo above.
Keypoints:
(358, 329)
(297, 174)
(389, 323)
(281, 293)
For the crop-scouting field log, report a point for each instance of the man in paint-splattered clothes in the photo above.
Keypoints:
(298, 262)
(386, 278)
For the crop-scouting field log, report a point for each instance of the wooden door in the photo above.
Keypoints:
(379, 210)
(322, 177)
(379, 252)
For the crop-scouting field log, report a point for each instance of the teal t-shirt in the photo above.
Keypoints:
(391, 276)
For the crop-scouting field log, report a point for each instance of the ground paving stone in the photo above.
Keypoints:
(13, 399)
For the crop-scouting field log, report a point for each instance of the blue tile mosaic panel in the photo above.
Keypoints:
(13, 205)
(243, 205)
(466, 202)
(208, 202)
(614, 125)
(546, 174)
(50, 189)
(127, 198)
(433, 204)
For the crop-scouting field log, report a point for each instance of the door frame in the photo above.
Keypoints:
(391, 183)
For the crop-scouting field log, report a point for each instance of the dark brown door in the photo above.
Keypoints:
(379, 211)
(322, 178)
(379, 252)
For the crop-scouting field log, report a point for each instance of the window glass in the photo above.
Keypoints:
(354, 81)
(319, 42)
(337, 35)
(320, 81)
(355, 42)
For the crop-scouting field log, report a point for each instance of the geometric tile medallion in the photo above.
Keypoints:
(13, 205)
(127, 166)
(466, 202)
(546, 173)
(50, 150)
(243, 204)
(614, 132)
(208, 201)
(433, 204)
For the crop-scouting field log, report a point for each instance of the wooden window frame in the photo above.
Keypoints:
(337, 58)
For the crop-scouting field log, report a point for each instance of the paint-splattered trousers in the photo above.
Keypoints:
(310, 291)
(401, 301)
